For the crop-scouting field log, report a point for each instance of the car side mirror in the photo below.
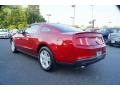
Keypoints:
(23, 32)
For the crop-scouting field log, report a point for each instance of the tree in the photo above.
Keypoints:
(16, 16)
(33, 14)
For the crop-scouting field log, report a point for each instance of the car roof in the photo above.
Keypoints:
(45, 23)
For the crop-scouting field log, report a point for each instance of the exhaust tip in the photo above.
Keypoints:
(83, 67)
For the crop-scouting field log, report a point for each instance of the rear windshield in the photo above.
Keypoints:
(66, 28)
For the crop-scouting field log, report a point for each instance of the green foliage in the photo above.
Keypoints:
(12, 27)
(16, 16)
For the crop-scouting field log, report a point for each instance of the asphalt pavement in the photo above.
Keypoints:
(22, 69)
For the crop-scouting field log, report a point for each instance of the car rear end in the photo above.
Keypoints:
(82, 48)
(88, 47)
(76, 47)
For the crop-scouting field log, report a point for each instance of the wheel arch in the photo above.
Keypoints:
(42, 45)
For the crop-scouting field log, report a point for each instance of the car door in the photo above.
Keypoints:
(30, 39)
(19, 40)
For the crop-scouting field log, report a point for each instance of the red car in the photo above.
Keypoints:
(58, 43)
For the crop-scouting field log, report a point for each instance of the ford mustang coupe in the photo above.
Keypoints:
(57, 43)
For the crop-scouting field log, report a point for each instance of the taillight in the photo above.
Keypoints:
(103, 40)
(99, 40)
(82, 41)
(89, 41)
(86, 40)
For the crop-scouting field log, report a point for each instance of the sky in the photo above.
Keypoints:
(83, 14)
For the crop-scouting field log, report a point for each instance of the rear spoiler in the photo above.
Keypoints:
(88, 32)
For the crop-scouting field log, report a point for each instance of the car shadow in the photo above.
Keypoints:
(62, 69)
(73, 68)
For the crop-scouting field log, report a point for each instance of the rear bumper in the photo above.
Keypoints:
(73, 54)
(88, 61)
(85, 62)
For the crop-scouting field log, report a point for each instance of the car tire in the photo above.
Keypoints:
(106, 40)
(13, 47)
(46, 59)
(110, 44)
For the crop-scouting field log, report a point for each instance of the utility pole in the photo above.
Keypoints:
(72, 20)
(109, 24)
(92, 17)
(73, 6)
(48, 15)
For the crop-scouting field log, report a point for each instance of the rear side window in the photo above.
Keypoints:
(32, 29)
(66, 28)
(45, 29)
